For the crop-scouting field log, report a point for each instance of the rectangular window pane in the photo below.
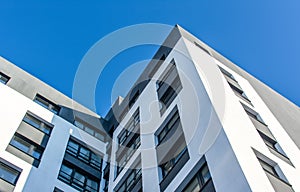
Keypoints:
(26, 147)
(8, 174)
(3, 78)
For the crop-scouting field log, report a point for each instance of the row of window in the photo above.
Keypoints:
(80, 173)
(263, 131)
(260, 125)
(84, 154)
(77, 179)
(30, 139)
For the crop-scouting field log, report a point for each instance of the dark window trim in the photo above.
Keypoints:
(126, 132)
(194, 171)
(7, 78)
(42, 121)
(168, 128)
(39, 147)
(252, 113)
(79, 157)
(70, 180)
(262, 158)
(53, 107)
(13, 168)
(228, 74)
(167, 119)
(202, 48)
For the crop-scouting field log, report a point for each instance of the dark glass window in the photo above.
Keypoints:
(168, 166)
(170, 125)
(268, 168)
(253, 114)
(129, 150)
(129, 128)
(77, 178)
(3, 78)
(35, 122)
(46, 104)
(84, 154)
(168, 86)
(26, 146)
(199, 180)
(8, 173)
(132, 179)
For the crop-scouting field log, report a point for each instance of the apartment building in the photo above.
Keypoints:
(193, 121)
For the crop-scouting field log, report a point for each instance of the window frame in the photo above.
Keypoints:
(47, 104)
(10, 168)
(72, 181)
(95, 163)
(4, 78)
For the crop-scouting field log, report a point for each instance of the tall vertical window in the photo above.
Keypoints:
(132, 179)
(46, 104)
(172, 152)
(129, 141)
(168, 87)
(199, 180)
(3, 78)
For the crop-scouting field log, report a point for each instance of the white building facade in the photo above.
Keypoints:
(193, 121)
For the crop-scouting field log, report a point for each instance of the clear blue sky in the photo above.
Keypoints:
(49, 39)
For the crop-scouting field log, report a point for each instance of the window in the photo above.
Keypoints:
(171, 124)
(131, 181)
(3, 78)
(125, 153)
(172, 152)
(240, 93)
(47, 104)
(274, 173)
(234, 85)
(253, 114)
(227, 74)
(8, 173)
(89, 130)
(30, 139)
(168, 87)
(202, 48)
(129, 141)
(37, 123)
(84, 154)
(26, 146)
(199, 180)
(130, 128)
(268, 168)
(77, 178)
(168, 166)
